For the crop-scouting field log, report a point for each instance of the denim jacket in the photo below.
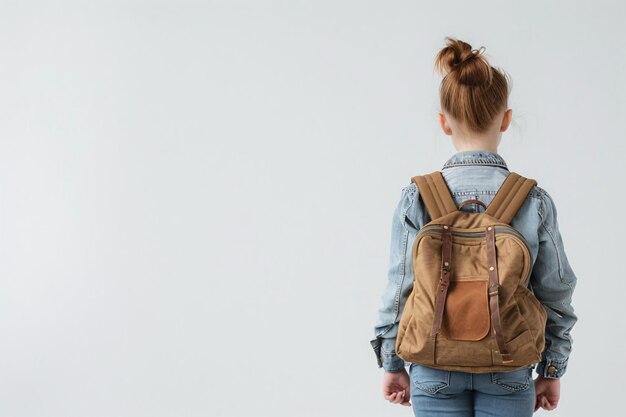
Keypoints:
(477, 174)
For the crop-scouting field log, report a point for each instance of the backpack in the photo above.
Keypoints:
(471, 307)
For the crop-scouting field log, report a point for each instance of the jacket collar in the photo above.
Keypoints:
(475, 157)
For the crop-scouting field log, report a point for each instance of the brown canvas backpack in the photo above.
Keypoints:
(471, 308)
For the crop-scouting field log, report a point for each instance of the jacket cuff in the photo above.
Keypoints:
(551, 368)
(384, 349)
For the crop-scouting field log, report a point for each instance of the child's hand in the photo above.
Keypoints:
(547, 393)
(397, 387)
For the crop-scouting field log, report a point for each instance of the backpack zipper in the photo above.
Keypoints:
(499, 229)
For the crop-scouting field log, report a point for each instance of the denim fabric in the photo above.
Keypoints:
(478, 174)
(435, 392)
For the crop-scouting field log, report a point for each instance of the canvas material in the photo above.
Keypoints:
(466, 341)
(477, 174)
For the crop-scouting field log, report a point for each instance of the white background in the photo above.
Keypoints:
(196, 197)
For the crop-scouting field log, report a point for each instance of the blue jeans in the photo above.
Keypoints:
(436, 392)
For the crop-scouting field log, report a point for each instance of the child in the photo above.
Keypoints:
(473, 98)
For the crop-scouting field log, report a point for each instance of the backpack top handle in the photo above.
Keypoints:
(472, 201)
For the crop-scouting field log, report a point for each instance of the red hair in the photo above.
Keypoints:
(472, 91)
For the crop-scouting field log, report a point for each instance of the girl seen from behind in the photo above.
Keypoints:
(474, 113)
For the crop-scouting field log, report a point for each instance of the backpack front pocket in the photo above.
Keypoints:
(466, 310)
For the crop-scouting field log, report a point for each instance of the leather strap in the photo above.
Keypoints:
(444, 280)
(435, 193)
(494, 283)
(510, 197)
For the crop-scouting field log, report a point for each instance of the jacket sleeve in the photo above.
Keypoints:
(553, 282)
(407, 220)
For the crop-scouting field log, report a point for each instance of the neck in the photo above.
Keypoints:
(475, 144)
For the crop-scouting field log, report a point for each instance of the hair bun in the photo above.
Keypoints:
(471, 55)
(470, 65)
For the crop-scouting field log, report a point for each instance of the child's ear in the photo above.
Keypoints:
(444, 124)
(506, 120)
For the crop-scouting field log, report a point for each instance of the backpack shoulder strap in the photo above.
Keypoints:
(435, 194)
(510, 197)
